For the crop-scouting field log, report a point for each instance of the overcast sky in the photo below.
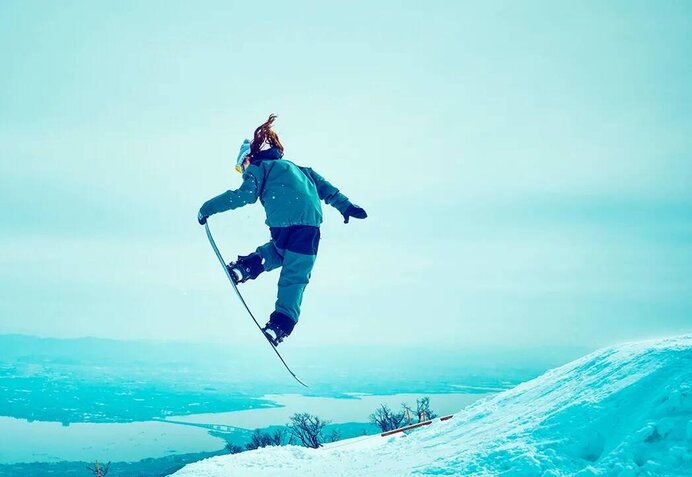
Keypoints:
(526, 167)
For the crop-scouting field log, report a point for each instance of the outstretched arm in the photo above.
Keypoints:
(331, 195)
(247, 193)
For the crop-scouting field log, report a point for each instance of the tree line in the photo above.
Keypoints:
(309, 431)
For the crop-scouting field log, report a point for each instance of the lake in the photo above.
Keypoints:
(357, 409)
(24, 441)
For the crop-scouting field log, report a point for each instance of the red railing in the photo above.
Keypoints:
(413, 426)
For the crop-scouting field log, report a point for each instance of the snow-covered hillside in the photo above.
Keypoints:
(622, 411)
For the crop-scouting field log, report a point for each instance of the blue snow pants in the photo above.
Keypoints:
(294, 249)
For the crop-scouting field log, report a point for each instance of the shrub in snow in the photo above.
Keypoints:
(307, 429)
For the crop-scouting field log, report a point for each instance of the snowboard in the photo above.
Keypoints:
(247, 308)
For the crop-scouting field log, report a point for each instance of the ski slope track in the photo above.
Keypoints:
(622, 411)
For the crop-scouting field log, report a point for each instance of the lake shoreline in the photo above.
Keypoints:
(45, 442)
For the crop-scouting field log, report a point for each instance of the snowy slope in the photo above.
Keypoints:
(622, 411)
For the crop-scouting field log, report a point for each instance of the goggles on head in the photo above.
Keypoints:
(242, 154)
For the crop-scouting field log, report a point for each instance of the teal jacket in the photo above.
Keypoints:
(290, 194)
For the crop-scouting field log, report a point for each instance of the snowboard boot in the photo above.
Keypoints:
(278, 327)
(247, 267)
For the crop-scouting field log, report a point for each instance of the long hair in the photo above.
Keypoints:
(265, 135)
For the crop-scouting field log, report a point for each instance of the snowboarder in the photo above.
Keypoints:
(291, 197)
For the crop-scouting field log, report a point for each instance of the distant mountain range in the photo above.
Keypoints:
(328, 370)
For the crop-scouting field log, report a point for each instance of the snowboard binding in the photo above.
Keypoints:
(273, 333)
(278, 327)
(247, 267)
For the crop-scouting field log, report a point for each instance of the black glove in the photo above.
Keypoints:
(354, 211)
(202, 219)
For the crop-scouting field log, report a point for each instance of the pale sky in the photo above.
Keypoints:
(526, 167)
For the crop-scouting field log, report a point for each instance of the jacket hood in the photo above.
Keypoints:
(271, 154)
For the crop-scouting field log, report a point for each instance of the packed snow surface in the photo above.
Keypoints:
(622, 411)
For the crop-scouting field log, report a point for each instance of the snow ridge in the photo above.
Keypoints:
(622, 411)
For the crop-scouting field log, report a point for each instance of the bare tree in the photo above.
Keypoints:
(408, 412)
(386, 419)
(233, 448)
(307, 429)
(264, 439)
(278, 437)
(334, 436)
(98, 470)
(423, 410)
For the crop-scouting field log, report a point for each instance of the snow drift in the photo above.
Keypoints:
(621, 411)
